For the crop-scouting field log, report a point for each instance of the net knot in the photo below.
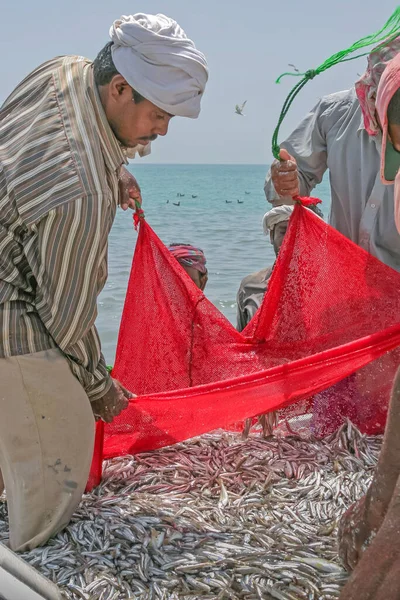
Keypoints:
(306, 200)
(138, 214)
(310, 74)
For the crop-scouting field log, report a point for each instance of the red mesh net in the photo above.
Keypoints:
(326, 334)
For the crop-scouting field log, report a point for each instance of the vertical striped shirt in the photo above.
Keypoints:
(59, 168)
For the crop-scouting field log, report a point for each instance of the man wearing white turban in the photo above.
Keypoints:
(160, 62)
(150, 72)
(65, 132)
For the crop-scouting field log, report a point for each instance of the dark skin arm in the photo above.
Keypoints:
(129, 190)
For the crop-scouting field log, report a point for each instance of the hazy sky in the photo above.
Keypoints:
(247, 44)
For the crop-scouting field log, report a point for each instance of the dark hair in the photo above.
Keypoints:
(104, 70)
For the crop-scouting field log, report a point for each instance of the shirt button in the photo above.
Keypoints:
(372, 205)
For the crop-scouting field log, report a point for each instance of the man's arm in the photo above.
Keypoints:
(69, 265)
(307, 146)
(241, 321)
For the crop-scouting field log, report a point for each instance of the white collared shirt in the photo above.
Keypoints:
(332, 136)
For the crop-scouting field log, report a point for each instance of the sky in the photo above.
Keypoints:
(247, 45)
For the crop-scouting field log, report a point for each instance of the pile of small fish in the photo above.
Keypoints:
(217, 517)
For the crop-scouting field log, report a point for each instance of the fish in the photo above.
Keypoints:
(217, 516)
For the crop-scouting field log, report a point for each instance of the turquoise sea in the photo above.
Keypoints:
(230, 233)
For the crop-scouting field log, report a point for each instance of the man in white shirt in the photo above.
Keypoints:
(341, 134)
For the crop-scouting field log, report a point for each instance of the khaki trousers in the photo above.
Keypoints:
(46, 445)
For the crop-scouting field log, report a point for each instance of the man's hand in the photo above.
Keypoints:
(284, 175)
(112, 403)
(129, 190)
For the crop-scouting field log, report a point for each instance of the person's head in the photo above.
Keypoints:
(148, 73)
(194, 262)
(133, 119)
(276, 223)
(367, 86)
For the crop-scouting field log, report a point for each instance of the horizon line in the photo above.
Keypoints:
(134, 161)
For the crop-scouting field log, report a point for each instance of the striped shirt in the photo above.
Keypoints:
(59, 168)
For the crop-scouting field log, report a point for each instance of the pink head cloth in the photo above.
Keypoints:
(367, 85)
(189, 256)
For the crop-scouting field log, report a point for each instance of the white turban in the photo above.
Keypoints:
(160, 62)
(276, 215)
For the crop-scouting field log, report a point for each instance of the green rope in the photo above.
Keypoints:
(386, 34)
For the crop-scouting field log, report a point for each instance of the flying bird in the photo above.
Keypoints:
(194, 196)
(228, 201)
(176, 203)
(294, 67)
(240, 201)
(239, 109)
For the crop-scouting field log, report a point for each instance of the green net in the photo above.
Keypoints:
(388, 32)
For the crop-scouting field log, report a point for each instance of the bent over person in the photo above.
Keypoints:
(63, 135)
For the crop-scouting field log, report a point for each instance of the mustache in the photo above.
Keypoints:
(150, 138)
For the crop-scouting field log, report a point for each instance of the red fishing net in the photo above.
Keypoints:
(323, 342)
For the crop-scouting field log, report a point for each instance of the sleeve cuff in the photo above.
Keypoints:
(95, 384)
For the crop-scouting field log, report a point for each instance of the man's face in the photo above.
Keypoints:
(277, 235)
(132, 123)
(198, 278)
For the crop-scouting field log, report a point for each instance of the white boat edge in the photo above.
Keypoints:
(20, 581)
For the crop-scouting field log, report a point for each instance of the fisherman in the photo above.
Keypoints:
(63, 135)
(342, 133)
(253, 287)
(369, 533)
(193, 261)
